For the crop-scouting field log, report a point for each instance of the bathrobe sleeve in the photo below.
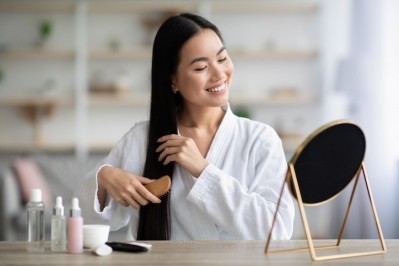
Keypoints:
(128, 154)
(244, 206)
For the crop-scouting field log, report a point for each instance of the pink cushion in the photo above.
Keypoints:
(30, 176)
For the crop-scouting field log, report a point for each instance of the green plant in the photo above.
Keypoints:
(242, 112)
(45, 29)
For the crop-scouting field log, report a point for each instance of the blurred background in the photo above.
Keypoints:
(75, 76)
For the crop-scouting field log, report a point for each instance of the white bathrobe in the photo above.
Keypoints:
(235, 197)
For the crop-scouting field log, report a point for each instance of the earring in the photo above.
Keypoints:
(174, 88)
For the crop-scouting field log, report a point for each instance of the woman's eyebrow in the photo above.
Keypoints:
(206, 58)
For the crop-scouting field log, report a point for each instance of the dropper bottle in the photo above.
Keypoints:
(35, 222)
(58, 227)
(75, 228)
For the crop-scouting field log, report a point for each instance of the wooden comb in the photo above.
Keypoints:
(159, 187)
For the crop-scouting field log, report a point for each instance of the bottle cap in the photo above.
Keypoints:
(75, 209)
(58, 208)
(35, 195)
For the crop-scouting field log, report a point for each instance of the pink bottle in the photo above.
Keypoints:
(75, 228)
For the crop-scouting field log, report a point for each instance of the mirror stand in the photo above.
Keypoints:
(291, 176)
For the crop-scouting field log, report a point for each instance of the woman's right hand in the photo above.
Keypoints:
(124, 187)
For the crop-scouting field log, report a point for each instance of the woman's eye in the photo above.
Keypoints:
(223, 59)
(200, 69)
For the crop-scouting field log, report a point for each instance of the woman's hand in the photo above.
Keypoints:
(125, 187)
(182, 150)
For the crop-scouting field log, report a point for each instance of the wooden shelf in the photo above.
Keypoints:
(122, 99)
(66, 147)
(273, 53)
(33, 147)
(146, 53)
(238, 99)
(121, 54)
(227, 6)
(37, 54)
(140, 6)
(142, 100)
(35, 99)
(263, 7)
(40, 6)
(119, 99)
(289, 144)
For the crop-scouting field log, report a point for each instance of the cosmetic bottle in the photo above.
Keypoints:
(58, 227)
(35, 222)
(75, 228)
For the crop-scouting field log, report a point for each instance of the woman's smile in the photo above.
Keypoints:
(219, 89)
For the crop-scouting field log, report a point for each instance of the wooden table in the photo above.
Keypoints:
(204, 253)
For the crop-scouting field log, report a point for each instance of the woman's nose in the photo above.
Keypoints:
(217, 73)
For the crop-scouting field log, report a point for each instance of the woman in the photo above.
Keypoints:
(226, 171)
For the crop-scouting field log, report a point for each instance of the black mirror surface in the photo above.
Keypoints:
(327, 161)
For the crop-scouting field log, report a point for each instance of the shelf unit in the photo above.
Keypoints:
(145, 53)
(37, 54)
(87, 54)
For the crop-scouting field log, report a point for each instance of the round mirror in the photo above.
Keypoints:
(327, 161)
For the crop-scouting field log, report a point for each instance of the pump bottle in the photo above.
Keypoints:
(58, 227)
(35, 222)
(75, 228)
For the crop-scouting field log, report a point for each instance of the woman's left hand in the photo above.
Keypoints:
(182, 150)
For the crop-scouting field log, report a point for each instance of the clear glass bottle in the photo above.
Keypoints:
(58, 227)
(35, 222)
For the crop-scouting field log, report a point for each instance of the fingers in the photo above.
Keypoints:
(148, 195)
(171, 147)
(137, 198)
(169, 137)
(144, 180)
(143, 192)
(169, 143)
(167, 154)
(129, 201)
(134, 199)
(182, 150)
(140, 196)
(127, 188)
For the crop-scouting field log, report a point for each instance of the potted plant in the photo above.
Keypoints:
(45, 29)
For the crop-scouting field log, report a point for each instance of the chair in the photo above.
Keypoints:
(320, 169)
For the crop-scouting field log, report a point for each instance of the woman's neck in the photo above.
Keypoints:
(208, 118)
(200, 124)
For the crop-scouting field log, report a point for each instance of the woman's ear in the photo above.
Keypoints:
(174, 87)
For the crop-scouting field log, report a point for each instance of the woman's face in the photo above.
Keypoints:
(205, 71)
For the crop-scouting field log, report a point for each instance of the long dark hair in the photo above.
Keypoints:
(154, 223)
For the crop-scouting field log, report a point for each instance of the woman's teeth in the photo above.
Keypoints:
(217, 89)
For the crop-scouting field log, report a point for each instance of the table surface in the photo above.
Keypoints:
(207, 253)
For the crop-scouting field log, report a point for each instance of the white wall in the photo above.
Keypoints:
(366, 84)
